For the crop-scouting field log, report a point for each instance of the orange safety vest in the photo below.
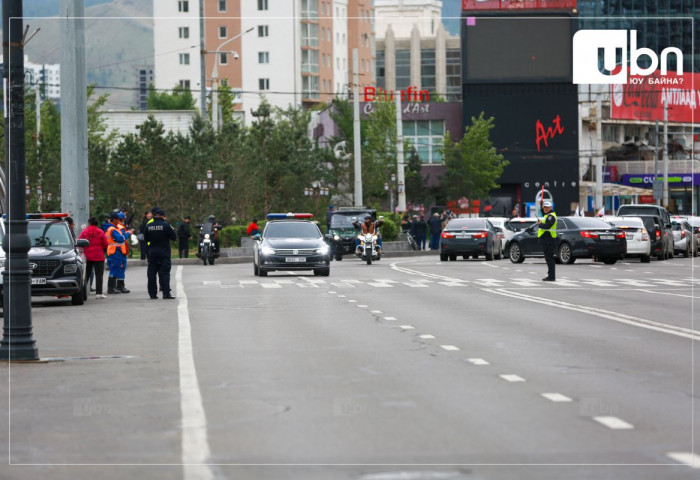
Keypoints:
(113, 244)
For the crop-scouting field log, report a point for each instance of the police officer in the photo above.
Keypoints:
(158, 235)
(547, 234)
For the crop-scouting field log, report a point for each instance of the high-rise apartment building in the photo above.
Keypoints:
(290, 52)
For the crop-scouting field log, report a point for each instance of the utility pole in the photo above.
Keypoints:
(399, 156)
(203, 66)
(656, 184)
(75, 181)
(357, 150)
(599, 156)
(17, 337)
(665, 155)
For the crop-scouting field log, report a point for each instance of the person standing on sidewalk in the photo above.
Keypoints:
(547, 234)
(95, 253)
(159, 234)
(116, 255)
(421, 229)
(435, 225)
(183, 238)
(142, 229)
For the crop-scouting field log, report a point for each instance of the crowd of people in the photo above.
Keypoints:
(417, 227)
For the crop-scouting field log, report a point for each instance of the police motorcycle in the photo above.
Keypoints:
(368, 248)
(208, 250)
(342, 230)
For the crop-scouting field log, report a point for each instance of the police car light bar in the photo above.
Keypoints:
(34, 216)
(284, 216)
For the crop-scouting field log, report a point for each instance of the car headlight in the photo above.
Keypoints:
(336, 238)
(267, 251)
(323, 250)
(206, 236)
(70, 268)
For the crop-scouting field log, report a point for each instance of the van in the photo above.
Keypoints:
(646, 209)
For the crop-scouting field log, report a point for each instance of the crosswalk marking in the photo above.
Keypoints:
(381, 285)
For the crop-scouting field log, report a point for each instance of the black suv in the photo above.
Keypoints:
(56, 258)
(342, 234)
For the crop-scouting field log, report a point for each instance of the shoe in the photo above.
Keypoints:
(154, 298)
(100, 295)
(548, 279)
(168, 297)
(111, 290)
(92, 289)
(121, 287)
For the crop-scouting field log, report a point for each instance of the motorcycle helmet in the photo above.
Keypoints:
(212, 218)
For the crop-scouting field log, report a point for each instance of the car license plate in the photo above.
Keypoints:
(607, 237)
(295, 259)
(463, 235)
(38, 281)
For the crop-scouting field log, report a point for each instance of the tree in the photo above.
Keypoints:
(472, 164)
(180, 99)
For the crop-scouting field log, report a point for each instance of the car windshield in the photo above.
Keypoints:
(521, 225)
(345, 221)
(637, 210)
(584, 222)
(463, 223)
(677, 226)
(291, 230)
(44, 234)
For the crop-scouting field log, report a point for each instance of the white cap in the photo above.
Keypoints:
(547, 204)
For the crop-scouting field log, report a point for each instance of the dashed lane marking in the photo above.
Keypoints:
(270, 285)
(478, 361)
(427, 337)
(686, 458)
(556, 397)
(407, 327)
(614, 423)
(390, 319)
(449, 348)
(512, 378)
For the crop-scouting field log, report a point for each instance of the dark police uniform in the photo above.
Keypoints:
(158, 236)
(547, 234)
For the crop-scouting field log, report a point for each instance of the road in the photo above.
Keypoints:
(406, 369)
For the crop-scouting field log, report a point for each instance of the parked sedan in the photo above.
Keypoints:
(577, 237)
(638, 242)
(469, 237)
(695, 224)
(683, 237)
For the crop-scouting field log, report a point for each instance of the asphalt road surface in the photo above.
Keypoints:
(408, 369)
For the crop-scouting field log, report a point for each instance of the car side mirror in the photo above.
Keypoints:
(82, 242)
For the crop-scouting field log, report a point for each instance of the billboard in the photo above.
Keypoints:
(468, 5)
(643, 97)
(536, 130)
(526, 48)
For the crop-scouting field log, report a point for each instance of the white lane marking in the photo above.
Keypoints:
(599, 312)
(331, 292)
(596, 266)
(478, 361)
(376, 311)
(407, 327)
(341, 296)
(195, 443)
(512, 378)
(686, 458)
(417, 285)
(361, 306)
(453, 284)
(633, 283)
(385, 280)
(488, 282)
(270, 285)
(381, 285)
(350, 281)
(673, 283)
(211, 282)
(423, 274)
(449, 348)
(340, 284)
(248, 282)
(667, 293)
(390, 318)
(427, 337)
(352, 301)
(283, 280)
(312, 280)
(614, 423)
(556, 397)
(491, 265)
(598, 283)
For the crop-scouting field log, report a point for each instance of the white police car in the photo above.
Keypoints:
(292, 242)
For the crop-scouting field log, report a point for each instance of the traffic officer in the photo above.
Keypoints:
(116, 254)
(547, 234)
(158, 235)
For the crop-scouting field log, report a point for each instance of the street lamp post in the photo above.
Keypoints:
(389, 187)
(316, 190)
(210, 185)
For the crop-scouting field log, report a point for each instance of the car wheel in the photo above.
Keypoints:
(453, 258)
(444, 257)
(475, 256)
(78, 298)
(610, 261)
(515, 253)
(339, 256)
(322, 272)
(465, 257)
(489, 256)
(256, 270)
(565, 255)
(686, 254)
(262, 273)
(645, 258)
(661, 257)
(499, 255)
(211, 260)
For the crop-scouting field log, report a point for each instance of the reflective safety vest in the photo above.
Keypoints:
(552, 231)
(112, 244)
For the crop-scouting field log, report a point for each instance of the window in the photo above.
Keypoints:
(223, 32)
(309, 61)
(403, 69)
(223, 59)
(222, 5)
(263, 57)
(263, 31)
(263, 83)
(309, 35)
(426, 136)
(183, 6)
(184, 59)
(309, 87)
(183, 32)
(185, 84)
(453, 68)
(381, 74)
(262, 4)
(427, 69)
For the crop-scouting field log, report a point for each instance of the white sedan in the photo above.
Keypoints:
(638, 243)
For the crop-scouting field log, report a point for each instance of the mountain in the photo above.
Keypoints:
(118, 38)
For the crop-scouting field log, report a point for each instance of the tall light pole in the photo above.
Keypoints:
(399, 155)
(211, 185)
(389, 187)
(357, 152)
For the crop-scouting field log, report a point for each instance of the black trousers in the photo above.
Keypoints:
(548, 249)
(99, 268)
(158, 266)
(184, 248)
(143, 246)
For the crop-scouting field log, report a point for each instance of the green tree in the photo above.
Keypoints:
(180, 99)
(472, 164)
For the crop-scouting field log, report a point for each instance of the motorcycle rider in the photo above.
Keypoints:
(368, 226)
(209, 227)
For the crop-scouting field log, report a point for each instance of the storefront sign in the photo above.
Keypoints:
(674, 179)
(411, 94)
(643, 98)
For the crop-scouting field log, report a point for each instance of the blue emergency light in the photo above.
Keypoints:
(288, 216)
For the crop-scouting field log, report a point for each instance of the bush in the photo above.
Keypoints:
(231, 236)
(388, 230)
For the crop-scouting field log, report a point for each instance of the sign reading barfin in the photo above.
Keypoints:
(411, 94)
(587, 45)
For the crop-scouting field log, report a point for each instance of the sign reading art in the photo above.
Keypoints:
(643, 98)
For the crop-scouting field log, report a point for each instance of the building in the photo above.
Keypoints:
(295, 52)
(144, 78)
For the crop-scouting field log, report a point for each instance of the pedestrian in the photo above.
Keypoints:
(329, 214)
(435, 229)
(421, 229)
(123, 228)
(183, 238)
(116, 255)
(159, 234)
(547, 234)
(405, 223)
(253, 228)
(147, 216)
(95, 254)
